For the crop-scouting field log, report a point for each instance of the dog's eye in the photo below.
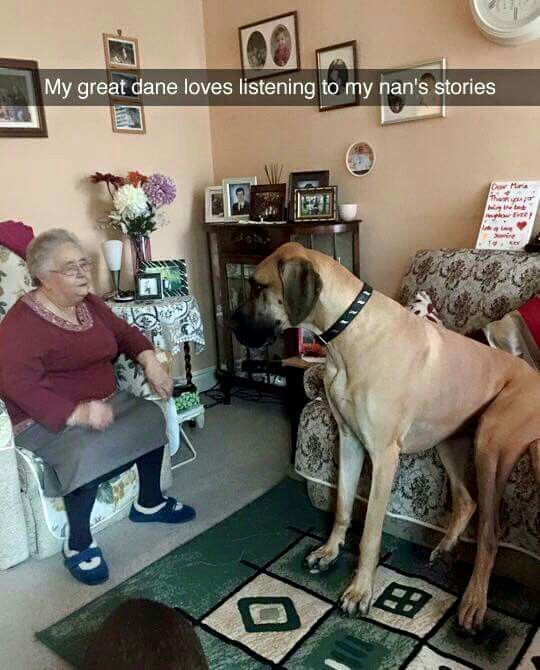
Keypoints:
(256, 288)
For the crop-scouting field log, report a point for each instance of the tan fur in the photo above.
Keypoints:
(397, 383)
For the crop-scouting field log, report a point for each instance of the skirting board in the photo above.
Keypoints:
(204, 379)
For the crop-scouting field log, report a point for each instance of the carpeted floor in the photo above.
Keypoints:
(243, 585)
(236, 462)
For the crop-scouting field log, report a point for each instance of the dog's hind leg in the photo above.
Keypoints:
(498, 446)
(351, 460)
(453, 453)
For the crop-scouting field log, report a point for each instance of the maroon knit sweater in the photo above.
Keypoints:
(48, 366)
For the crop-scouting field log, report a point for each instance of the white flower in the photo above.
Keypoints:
(160, 218)
(130, 202)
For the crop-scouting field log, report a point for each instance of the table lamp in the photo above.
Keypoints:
(112, 250)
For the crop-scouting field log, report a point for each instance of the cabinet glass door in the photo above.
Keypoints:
(249, 362)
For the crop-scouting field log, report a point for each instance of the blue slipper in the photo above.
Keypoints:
(167, 514)
(90, 577)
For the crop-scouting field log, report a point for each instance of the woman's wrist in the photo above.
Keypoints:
(147, 357)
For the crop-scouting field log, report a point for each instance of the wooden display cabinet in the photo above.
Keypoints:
(235, 250)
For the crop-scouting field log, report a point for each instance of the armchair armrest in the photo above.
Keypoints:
(313, 381)
(130, 377)
(13, 536)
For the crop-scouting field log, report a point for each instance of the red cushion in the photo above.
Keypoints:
(16, 236)
(530, 312)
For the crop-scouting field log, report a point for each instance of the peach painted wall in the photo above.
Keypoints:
(43, 181)
(430, 181)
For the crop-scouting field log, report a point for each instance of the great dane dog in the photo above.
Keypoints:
(397, 383)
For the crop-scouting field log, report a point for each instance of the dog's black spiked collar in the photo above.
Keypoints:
(348, 315)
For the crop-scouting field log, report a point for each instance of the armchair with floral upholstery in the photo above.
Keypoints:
(30, 523)
(469, 289)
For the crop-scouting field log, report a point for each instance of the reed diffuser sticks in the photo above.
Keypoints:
(273, 173)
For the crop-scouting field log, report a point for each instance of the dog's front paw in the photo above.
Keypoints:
(472, 608)
(322, 558)
(356, 600)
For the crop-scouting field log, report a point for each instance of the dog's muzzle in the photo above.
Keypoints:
(251, 328)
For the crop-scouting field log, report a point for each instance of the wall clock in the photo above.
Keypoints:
(508, 22)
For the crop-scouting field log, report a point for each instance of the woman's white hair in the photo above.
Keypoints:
(40, 251)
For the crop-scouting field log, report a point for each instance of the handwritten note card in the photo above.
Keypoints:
(509, 215)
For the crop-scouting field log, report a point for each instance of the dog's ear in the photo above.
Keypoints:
(301, 288)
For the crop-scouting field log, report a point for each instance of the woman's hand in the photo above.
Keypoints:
(160, 382)
(95, 414)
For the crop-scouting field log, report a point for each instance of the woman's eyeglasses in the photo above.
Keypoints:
(73, 269)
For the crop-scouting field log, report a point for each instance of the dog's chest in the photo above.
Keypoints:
(344, 406)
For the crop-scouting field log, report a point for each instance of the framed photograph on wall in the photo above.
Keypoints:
(270, 47)
(268, 202)
(121, 52)
(315, 204)
(173, 275)
(148, 286)
(125, 83)
(360, 159)
(237, 196)
(127, 118)
(336, 71)
(21, 104)
(213, 201)
(409, 93)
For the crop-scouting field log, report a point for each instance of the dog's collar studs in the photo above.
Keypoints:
(348, 315)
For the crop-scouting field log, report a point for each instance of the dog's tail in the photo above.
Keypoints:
(534, 448)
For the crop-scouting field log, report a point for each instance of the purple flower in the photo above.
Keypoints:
(160, 190)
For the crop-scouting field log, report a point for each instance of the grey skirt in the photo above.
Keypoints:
(76, 456)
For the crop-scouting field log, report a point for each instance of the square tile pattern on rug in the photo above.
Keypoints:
(244, 587)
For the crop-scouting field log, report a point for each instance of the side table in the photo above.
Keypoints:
(171, 324)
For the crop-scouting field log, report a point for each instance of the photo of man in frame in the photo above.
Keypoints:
(239, 199)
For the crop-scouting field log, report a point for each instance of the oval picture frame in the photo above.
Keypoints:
(357, 154)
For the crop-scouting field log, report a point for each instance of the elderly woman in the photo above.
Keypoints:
(57, 347)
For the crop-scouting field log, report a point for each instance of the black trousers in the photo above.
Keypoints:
(79, 503)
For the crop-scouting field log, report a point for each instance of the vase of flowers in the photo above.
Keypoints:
(138, 203)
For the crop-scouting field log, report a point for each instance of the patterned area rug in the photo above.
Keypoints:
(254, 606)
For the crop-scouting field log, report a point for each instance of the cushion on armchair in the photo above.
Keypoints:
(15, 279)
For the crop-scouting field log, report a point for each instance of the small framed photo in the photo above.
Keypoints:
(214, 212)
(410, 93)
(121, 52)
(360, 159)
(237, 196)
(308, 345)
(313, 179)
(337, 76)
(173, 274)
(270, 47)
(315, 204)
(21, 105)
(268, 202)
(148, 286)
(127, 118)
(125, 84)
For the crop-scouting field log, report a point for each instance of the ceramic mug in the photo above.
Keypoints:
(348, 212)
